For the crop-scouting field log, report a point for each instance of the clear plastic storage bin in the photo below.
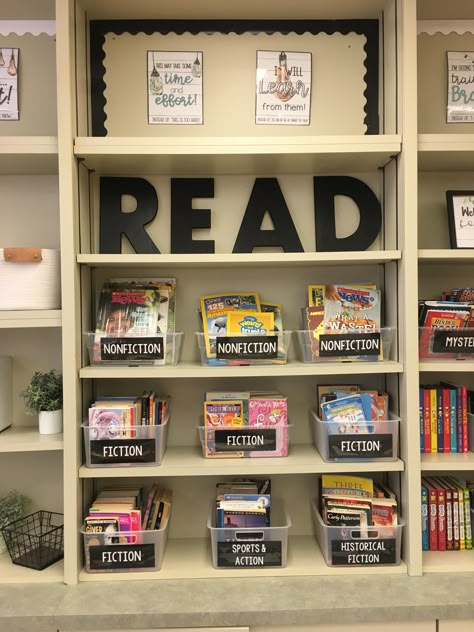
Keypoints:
(142, 446)
(361, 546)
(369, 441)
(136, 551)
(250, 548)
(134, 351)
(345, 347)
(258, 441)
(446, 344)
(245, 349)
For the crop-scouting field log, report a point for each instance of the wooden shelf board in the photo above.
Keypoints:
(27, 439)
(448, 561)
(30, 318)
(445, 255)
(14, 574)
(443, 462)
(191, 559)
(188, 461)
(275, 259)
(446, 152)
(237, 155)
(453, 366)
(28, 155)
(194, 370)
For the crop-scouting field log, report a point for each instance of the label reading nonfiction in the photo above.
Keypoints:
(347, 345)
(122, 451)
(246, 348)
(245, 440)
(364, 552)
(147, 348)
(374, 446)
(248, 554)
(449, 341)
(122, 556)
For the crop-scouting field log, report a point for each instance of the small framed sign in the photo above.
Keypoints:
(460, 87)
(461, 218)
(9, 84)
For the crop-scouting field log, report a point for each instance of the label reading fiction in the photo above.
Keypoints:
(104, 451)
(121, 556)
(245, 440)
(374, 446)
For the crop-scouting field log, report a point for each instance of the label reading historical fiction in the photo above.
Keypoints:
(245, 440)
(9, 84)
(374, 446)
(283, 88)
(105, 451)
(175, 88)
(121, 556)
(248, 554)
(246, 348)
(364, 552)
(458, 341)
(460, 87)
(348, 345)
(146, 348)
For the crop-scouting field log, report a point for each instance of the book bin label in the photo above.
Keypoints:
(449, 341)
(121, 557)
(245, 440)
(145, 348)
(374, 446)
(364, 552)
(248, 554)
(348, 345)
(246, 348)
(108, 451)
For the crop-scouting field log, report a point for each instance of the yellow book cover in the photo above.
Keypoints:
(434, 420)
(250, 323)
(344, 484)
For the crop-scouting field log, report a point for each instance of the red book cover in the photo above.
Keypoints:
(433, 514)
(441, 512)
(446, 395)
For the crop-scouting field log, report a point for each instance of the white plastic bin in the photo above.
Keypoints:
(344, 346)
(250, 548)
(370, 441)
(169, 343)
(349, 546)
(242, 349)
(135, 552)
(142, 446)
(440, 345)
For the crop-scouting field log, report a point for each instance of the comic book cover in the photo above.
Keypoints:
(214, 309)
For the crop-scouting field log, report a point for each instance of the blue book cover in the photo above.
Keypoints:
(453, 420)
(425, 536)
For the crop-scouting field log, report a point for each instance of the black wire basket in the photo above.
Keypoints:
(37, 540)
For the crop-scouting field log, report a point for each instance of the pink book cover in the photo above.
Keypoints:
(128, 521)
(270, 413)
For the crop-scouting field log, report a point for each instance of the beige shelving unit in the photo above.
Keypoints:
(445, 161)
(29, 216)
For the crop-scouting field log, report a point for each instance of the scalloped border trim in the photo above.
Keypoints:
(445, 27)
(32, 27)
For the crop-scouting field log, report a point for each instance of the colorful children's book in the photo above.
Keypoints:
(243, 322)
(346, 414)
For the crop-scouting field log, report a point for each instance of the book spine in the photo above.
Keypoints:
(465, 432)
(434, 420)
(446, 420)
(433, 511)
(422, 422)
(456, 542)
(459, 431)
(449, 519)
(439, 420)
(425, 537)
(452, 419)
(427, 423)
(462, 530)
(441, 518)
(467, 519)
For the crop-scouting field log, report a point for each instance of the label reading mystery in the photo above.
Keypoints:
(348, 345)
(248, 554)
(149, 348)
(448, 341)
(374, 446)
(246, 348)
(245, 440)
(364, 552)
(122, 556)
(105, 451)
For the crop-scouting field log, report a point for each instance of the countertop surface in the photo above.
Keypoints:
(235, 602)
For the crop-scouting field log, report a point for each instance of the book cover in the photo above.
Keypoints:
(347, 485)
(441, 319)
(425, 540)
(244, 322)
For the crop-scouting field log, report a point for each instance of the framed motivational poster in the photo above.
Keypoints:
(461, 218)
(460, 87)
(283, 94)
(174, 88)
(9, 84)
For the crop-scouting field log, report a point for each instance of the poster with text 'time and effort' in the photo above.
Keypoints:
(460, 87)
(283, 88)
(175, 88)
(9, 84)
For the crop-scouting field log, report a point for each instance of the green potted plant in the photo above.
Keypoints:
(44, 397)
(12, 507)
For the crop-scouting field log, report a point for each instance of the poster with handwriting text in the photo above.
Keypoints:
(283, 88)
(175, 88)
(9, 84)
(463, 212)
(460, 87)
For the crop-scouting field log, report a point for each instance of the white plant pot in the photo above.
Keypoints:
(50, 421)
